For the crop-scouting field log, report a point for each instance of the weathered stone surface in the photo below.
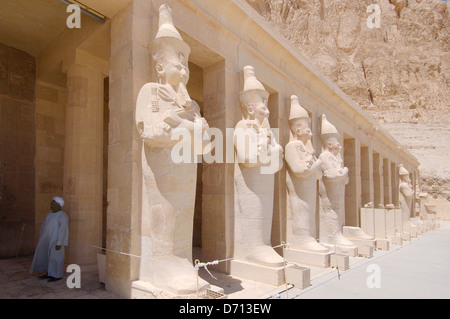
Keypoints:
(169, 188)
(17, 148)
(398, 73)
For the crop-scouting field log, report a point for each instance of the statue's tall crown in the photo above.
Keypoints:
(402, 170)
(297, 111)
(168, 40)
(252, 86)
(327, 130)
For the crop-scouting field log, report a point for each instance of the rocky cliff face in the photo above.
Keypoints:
(399, 73)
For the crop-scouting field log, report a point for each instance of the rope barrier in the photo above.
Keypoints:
(117, 252)
(284, 245)
(197, 266)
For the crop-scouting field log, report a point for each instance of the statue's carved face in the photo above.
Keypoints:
(305, 132)
(334, 146)
(259, 109)
(301, 129)
(174, 71)
(405, 178)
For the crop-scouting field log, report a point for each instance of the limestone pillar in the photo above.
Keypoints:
(387, 181)
(394, 184)
(415, 182)
(353, 188)
(83, 158)
(130, 68)
(366, 176)
(277, 119)
(378, 186)
(216, 87)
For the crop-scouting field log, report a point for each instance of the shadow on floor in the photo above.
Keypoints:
(17, 283)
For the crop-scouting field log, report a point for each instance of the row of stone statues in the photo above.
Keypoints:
(168, 188)
(254, 190)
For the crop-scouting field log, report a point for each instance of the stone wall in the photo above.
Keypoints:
(17, 148)
(49, 160)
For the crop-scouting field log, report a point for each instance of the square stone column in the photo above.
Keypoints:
(415, 182)
(352, 160)
(394, 183)
(366, 176)
(216, 79)
(132, 30)
(278, 118)
(387, 181)
(83, 158)
(378, 187)
(17, 152)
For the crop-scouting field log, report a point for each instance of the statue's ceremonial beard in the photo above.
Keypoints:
(183, 97)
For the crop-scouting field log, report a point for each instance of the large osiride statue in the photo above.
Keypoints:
(332, 189)
(303, 172)
(258, 157)
(406, 198)
(168, 188)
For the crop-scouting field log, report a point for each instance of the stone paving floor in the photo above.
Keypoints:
(417, 269)
(17, 283)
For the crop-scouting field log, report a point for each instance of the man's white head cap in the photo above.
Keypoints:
(59, 200)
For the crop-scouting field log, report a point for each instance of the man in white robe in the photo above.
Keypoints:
(49, 254)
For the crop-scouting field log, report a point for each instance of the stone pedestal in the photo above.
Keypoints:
(365, 243)
(406, 236)
(382, 244)
(141, 289)
(298, 276)
(352, 251)
(413, 231)
(431, 218)
(368, 220)
(396, 240)
(420, 225)
(365, 251)
(268, 275)
(342, 262)
(398, 222)
(343, 250)
(430, 222)
(306, 257)
(392, 228)
(380, 223)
